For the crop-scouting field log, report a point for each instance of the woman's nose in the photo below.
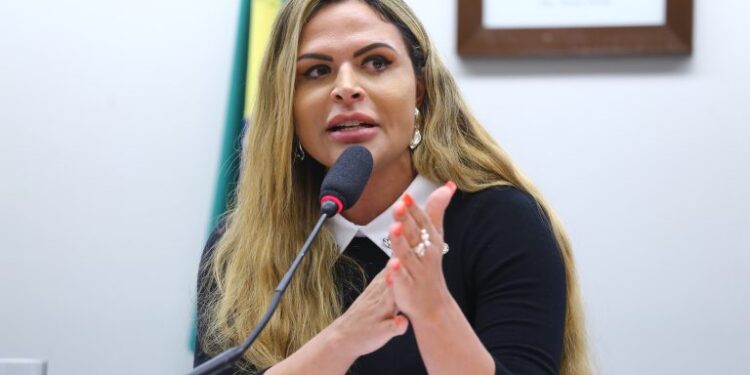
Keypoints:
(347, 90)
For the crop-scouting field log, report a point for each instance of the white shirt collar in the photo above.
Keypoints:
(377, 230)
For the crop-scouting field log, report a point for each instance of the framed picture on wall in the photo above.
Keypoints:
(574, 27)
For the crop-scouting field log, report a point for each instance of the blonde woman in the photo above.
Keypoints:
(451, 262)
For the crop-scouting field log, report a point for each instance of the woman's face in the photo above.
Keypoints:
(355, 85)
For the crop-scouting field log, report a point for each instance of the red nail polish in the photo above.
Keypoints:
(400, 209)
(408, 200)
(395, 264)
(397, 229)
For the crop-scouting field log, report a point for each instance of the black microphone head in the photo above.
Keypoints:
(345, 181)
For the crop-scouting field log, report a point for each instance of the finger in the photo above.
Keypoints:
(381, 274)
(402, 250)
(376, 286)
(396, 325)
(389, 280)
(437, 202)
(387, 300)
(424, 222)
(397, 274)
(416, 213)
(411, 230)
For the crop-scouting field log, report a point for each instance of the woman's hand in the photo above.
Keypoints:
(417, 282)
(370, 322)
(420, 290)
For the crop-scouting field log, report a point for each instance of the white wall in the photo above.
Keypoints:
(110, 123)
(645, 160)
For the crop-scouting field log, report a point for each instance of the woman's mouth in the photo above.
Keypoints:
(352, 131)
(350, 126)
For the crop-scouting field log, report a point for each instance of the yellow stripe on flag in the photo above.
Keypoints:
(262, 14)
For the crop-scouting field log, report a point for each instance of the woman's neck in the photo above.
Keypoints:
(382, 190)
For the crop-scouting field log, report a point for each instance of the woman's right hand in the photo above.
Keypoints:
(370, 322)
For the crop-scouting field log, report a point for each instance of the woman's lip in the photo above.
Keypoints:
(356, 116)
(353, 135)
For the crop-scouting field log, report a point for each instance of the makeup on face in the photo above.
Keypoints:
(355, 84)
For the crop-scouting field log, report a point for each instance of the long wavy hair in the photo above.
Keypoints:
(276, 201)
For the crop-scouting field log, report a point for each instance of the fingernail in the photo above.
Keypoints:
(395, 264)
(397, 229)
(451, 186)
(408, 200)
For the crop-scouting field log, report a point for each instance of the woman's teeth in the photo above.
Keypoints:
(350, 125)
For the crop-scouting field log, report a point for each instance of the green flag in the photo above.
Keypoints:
(253, 30)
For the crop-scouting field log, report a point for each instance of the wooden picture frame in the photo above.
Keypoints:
(675, 37)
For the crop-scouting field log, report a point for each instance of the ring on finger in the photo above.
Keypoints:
(423, 244)
(419, 250)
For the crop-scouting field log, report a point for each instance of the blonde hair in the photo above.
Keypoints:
(276, 201)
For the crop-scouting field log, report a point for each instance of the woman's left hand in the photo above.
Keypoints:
(416, 281)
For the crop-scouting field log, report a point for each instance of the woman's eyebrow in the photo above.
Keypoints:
(316, 56)
(372, 46)
(361, 51)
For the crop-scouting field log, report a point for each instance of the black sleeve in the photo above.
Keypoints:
(519, 282)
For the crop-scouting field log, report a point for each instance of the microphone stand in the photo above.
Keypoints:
(227, 357)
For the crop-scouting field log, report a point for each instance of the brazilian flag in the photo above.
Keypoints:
(253, 30)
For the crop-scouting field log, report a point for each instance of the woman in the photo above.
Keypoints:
(376, 294)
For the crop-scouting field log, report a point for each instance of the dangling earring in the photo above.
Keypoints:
(417, 137)
(299, 153)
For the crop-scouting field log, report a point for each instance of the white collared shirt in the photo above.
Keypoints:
(377, 230)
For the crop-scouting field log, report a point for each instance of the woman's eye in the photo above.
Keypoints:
(317, 71)
(377, 63)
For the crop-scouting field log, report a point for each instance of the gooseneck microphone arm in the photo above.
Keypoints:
(228, 357)
(341, 188)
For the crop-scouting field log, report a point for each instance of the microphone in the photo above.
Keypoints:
(346, 180)
(340, 190)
